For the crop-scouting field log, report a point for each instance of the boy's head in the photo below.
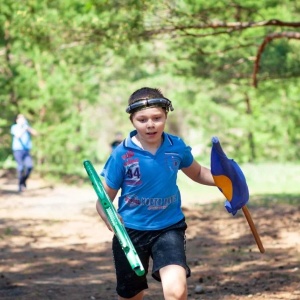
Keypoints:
(148, 97)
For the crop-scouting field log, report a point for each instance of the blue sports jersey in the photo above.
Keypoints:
(150, 198)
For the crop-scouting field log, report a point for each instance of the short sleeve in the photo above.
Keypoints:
(113, 172)
(187, 157)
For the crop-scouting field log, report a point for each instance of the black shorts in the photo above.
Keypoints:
(165, 247)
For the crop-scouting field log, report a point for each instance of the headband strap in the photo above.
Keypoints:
(143, 103)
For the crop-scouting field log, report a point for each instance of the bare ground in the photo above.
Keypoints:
(54, 246)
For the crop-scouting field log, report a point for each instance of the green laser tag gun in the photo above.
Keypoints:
(116, 224)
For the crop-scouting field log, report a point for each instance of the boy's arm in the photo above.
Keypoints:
(112, 194)
(199, 174)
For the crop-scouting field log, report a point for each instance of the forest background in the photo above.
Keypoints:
(231, 69)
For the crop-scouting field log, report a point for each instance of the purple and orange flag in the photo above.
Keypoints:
(230, 180)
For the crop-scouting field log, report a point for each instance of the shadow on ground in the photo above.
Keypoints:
(221, 251)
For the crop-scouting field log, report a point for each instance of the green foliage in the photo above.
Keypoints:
(70, 67)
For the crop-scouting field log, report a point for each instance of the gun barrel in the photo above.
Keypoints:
(114, 221)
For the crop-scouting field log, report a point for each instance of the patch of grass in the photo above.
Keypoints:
(267, 182)
(52, 221)
(272, 178)
(8, 231)
(268, 200)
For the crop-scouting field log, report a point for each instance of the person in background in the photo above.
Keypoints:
(145, 168)
(118, 140)
(21, 147)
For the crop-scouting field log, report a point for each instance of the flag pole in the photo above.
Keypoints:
(253, 228)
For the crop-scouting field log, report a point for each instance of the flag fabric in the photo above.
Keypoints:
(229, 178)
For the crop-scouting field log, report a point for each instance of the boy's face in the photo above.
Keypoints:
(150, 124)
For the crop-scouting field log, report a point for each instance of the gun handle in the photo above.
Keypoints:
(253, 228)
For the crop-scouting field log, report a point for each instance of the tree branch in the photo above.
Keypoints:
(221, 24)
(268, 39)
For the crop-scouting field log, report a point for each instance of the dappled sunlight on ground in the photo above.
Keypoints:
(53, 245)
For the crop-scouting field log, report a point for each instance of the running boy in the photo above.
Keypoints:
(145, 168)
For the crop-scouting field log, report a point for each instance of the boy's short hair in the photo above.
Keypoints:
(148, 97)
(145, 93)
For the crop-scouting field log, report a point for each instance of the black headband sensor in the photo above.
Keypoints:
(143, 103)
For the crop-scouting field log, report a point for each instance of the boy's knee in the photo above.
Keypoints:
(178, 292)
(174, 282)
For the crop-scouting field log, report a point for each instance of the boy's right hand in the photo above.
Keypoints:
(104, 217)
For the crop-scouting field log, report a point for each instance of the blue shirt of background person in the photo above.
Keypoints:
(21, 136)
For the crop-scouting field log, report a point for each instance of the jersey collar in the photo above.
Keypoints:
(128, 142)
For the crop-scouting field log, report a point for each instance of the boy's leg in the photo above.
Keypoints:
(173, 279)
(169, 262)
(129, 285)
(139, 296)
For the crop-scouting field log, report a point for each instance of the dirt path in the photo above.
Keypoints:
(53, 246)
